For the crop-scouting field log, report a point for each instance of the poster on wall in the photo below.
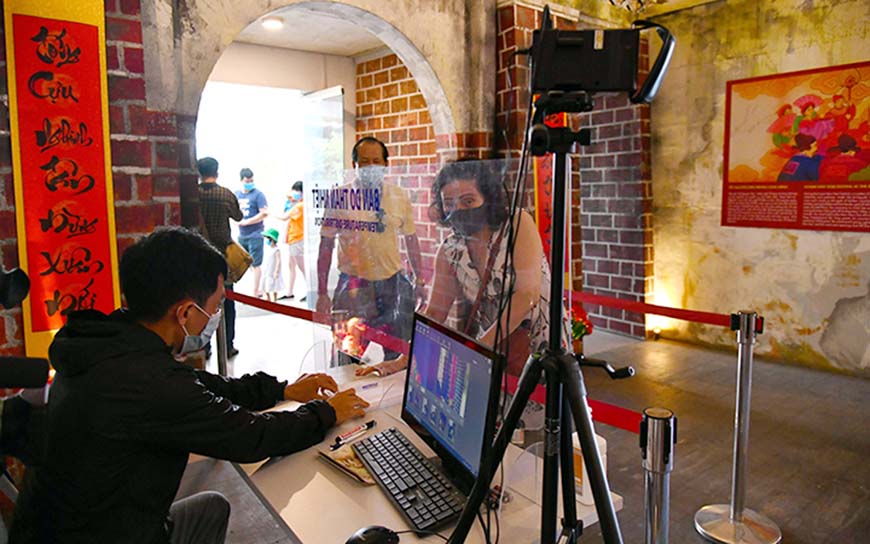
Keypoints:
(58, 107)
(797, 150)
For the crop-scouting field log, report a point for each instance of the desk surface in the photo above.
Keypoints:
(322, 504)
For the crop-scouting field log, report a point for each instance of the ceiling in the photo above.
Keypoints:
(309, 31)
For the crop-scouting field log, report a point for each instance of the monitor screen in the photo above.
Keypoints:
(447, 393)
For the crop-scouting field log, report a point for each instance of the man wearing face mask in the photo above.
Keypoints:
(372, 284)
(124, 415)
(252, 201)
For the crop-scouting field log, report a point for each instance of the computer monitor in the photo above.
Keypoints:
(449, 394)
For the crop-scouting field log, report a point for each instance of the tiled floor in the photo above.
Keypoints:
(810, 431)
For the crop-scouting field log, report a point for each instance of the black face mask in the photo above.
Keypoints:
(469, 221)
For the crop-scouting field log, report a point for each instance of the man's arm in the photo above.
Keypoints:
(263, 213)
(185, 414)
(189, 416)
(253, 391)
(233, 206)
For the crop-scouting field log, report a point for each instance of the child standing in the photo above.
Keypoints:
(272, 280)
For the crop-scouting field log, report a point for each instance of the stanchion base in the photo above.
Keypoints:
(715, 524)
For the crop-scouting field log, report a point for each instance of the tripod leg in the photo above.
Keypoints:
(571, 526)
(492, 459)
(552, 421)
(576, 392)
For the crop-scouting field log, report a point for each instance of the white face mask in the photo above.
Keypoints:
(197, 342)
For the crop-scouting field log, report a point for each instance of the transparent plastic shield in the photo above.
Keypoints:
(415, 237)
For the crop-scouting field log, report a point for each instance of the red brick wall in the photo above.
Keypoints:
(616, 215)
(151, 153)
(390, 107)
(611, 225)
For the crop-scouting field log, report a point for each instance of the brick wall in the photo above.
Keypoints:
(611, 220)
(616, 216)
(151, 153)
(391, 108)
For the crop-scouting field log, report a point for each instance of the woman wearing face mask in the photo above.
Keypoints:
(468, 197)
(294, 214)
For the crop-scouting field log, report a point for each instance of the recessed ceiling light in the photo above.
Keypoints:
(273, 23)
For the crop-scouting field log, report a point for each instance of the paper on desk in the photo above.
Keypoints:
(380, 392)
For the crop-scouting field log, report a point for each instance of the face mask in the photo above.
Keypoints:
(468, 221)
(371, 177)
(195, 343)
(296, 196)
(248, 186)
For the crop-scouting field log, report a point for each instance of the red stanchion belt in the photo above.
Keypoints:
(643, 308)
(609, 414)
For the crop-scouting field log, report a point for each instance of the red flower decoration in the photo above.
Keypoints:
(580, 323)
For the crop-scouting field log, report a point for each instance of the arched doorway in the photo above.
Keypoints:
(393, 91)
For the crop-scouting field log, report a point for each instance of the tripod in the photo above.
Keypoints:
(566, 391)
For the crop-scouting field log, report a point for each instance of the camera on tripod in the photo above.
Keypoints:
(569, 66)
(597, 60)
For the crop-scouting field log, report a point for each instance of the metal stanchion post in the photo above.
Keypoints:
(731, 524)
(658, 434)
(222, 343)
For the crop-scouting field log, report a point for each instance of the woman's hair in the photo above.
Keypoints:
(488, 183)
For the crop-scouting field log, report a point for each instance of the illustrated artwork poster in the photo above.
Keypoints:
(797, 150)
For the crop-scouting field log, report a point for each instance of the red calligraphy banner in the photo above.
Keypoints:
(63, 189)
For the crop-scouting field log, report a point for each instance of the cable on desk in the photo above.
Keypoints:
(384, 395)
(439, 535)
(485, 528)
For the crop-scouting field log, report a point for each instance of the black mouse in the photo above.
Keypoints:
(374, 534)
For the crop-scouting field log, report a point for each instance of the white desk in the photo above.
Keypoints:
(323, 505)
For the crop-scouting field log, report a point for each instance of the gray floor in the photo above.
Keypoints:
(808, 452)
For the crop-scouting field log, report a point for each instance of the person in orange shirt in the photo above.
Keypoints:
(294, 215)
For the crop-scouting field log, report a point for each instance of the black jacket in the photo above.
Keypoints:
(123, 416)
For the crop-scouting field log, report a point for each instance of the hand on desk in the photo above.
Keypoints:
(347, 405)
(386, 368)
(310, 387)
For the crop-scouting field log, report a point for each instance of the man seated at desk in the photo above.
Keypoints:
(124, 414)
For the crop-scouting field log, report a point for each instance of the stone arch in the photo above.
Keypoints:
(190, 38)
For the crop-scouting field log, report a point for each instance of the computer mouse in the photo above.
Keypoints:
(374, 534)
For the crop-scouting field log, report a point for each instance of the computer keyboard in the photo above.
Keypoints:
(425, 497)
